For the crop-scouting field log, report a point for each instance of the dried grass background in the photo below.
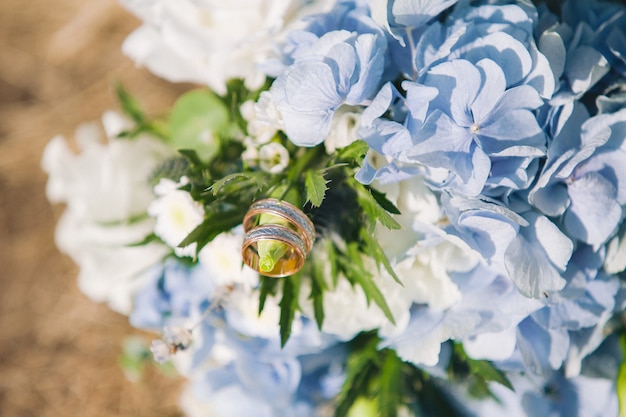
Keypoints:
(58, 350)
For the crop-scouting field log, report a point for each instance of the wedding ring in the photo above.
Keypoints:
(290, 227)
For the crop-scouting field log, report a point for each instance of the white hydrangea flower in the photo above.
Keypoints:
(344, 128)
(242, 314)
(263, 118)
(211, 41)
(273, 158)
(105, 187)
(223, 261)
(176, 214)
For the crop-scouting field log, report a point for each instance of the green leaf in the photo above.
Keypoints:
(487, 371)
(268, 286)
(621, 379)
(331, 251)
(315, 186)
(353, 152)
(214, 223)
(355, 271)
(218, 185)
(318, 285)
(390, 385)
(360, 369)
(382, 201)
(477, 372)
(196, 121)
(148, 239)
(372, 208)
(288, 306)
(192, 157)
(375, 251)
(130, 106)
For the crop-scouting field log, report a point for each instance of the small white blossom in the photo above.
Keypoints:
(176, 214)
(344, 127)
(223, 261)
(273, 158)
(264, 120)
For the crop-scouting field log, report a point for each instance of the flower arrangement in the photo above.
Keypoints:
(370, 208)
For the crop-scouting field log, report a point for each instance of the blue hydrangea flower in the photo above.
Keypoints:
(340, 68)
(583, 178)
(502, 33)
(175, 291)
(473, 118)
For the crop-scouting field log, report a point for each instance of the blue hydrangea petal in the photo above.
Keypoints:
(522, 97)
(516, 134)
(311, 87)
(585, 67)
(552, 46)
(541, 77)
(418, 97)
(509, 53)
(552, 200)
(491, 90)
(594, 212)
(414, 13)
(542, 349)
(342, 62)
(458, 83)
(370, 52)
(537, 256)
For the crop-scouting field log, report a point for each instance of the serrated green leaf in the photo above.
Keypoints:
(288, 306)
(371, 208)
(375, 251)
(130, 106)
(213, 225)
(218, 185)
(353, 152)
(315, 186)
(383, 201)
(354, 270)
(196, 121)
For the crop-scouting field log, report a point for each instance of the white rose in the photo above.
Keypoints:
(210, 41)
(106, 190)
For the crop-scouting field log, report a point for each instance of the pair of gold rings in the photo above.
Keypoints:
(278, 238)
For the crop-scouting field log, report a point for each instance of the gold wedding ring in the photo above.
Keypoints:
(283, 224)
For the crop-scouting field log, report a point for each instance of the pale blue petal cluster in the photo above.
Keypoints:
(515, 117)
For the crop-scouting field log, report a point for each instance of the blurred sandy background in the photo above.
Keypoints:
(58, 350)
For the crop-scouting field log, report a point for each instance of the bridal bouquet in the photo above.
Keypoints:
(367, 207)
